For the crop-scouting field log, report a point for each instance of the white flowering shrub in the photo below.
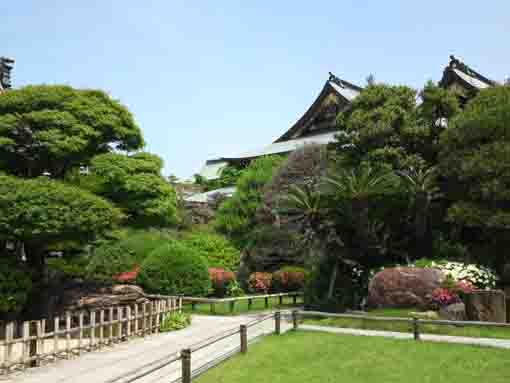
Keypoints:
(481, 277)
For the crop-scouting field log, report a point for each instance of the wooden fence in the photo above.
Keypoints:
(33, 343)
(249, 298)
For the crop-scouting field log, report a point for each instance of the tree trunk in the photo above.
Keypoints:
(332, 280)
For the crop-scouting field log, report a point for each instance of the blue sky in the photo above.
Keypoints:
(206, 79)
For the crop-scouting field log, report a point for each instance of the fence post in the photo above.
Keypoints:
(232, 306)
(294, 319)
(294, 299)
(180, 302)
(68, 334)
(244, 339)
(26, 343)
(39, 345)
(92, 329)
(277, 322)
(101, 328)
(9, 337)
(280, 300)
(266, 302)
(128, 323)
(250, 302)
(416, 328)
(186, 365)
(80, 333)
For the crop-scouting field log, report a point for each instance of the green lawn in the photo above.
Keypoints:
(470, 331)
(310, 357)
(242, 306)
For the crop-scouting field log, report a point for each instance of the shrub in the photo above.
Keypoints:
(175, 321)
(260, 282)
(124, 254)
(234, 289)
(220, 280)
(289, 278)
(444, 297)
(175, 269)
(216, 249)
(15, 284)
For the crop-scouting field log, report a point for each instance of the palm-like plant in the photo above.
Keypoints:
(422, 186)
(305, 207)
(356, 188)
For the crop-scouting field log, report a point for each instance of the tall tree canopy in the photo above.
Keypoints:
(48, 129)
(134, 183)
(46, 133)
(475, 160)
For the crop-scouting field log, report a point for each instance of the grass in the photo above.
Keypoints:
(242, 306)
(367, 324)
(320, 357)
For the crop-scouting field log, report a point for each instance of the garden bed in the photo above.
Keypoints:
(319, 357)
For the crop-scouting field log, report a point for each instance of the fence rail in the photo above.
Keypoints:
(32, 343)
(185, 357)
(414, 322)
(232, 301)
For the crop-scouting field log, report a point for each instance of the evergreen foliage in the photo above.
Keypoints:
(216, 249)
(236, 216)
(175, 269)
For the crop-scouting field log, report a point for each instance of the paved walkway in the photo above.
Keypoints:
(489, 342)
(117, 364)
(105, 365)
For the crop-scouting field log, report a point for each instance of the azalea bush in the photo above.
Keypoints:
(260, 282)
(220, 280)
(289, 278)
(444, 297)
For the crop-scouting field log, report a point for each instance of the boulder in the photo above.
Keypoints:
(455, 311)
(403, 287)
(117, 295)
(486, 306)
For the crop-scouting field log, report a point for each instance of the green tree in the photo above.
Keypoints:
(49, 129)
(236, 216)
(47, 132)
(475, 161)
(135, 184)
(40, 212)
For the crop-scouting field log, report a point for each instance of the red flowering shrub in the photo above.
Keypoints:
(289, 279)
(464, 287)
(220, 278)
(444, 297)
(127, 276)
(260, 282)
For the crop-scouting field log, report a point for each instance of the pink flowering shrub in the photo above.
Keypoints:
(260, 282)
(464, 287)
(444, 297)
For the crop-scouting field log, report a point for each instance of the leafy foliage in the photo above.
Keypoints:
(236, 216)
(216, 249)
(228, 177)
(175, 321)
(41, 211)
(475, 159)
(122, 255)
(135, 184)
(175, 269)
(15, 284)
(53, 128)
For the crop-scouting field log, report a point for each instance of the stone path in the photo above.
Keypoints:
(489, 342)
(105, 365)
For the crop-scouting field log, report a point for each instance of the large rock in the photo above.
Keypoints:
(403, 287)
(456, 311)
(486, 306)
(117, 295)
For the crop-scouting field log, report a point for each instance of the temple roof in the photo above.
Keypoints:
(344, 92)
(458, 72)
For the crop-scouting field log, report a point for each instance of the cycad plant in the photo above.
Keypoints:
(423, 189)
